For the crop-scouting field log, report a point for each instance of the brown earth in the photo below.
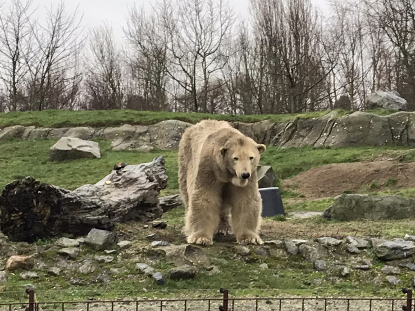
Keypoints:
(360, 177)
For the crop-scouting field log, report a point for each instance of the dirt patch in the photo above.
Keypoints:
(360, 177)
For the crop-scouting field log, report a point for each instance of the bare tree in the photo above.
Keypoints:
(104, 76)
(15, 42)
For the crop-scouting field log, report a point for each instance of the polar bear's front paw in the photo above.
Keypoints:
(249, 239)
(201, 240)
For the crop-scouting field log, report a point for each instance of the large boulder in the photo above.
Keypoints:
(80, 132)
(68, 148)
(31, 210)
(396, 249)
(385, 100)
(15, 131)
(166, 135)
(129, 137)
(348, 207)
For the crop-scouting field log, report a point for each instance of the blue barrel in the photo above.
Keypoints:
(271, 202)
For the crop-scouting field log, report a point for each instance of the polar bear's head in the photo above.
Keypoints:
(241, 157)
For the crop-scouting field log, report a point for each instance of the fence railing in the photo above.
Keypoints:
(225, 303)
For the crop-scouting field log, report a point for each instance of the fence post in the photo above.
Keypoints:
(408, 293)
(225, 293)
(31, 293)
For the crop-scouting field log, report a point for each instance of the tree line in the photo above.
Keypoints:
(197, 56)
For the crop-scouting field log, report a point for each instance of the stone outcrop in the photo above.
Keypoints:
(68, 148)
(347, 207)
(31, 210)
(331, 130)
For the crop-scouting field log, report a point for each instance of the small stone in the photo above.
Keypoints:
(29, 275)
(70, 252)
(317, 281)
(361, 267)
(358, 242)
(409, 237)
(108, 182)
(159, 225)
(212, 270)
(393, 280)
(65, 242)
(3, 278)
(276, 243)
(124, 244)
(310, 253)
(159, 278)
(291, 248)
(409, 266)
(110, 251)
(345, 271)
(263, 266)
(104, 259)
(299, 242)
(145, 226)
(262, 251)
(55, 271)
(152, 236)
(101, 239)
(144, 268)
(390, 270)
(242, 250)
(329, 241)
(17, 262)
(103, 278)
(183, 272)
(320, 265)
(352, 249)
(159, 243)
(87, 267)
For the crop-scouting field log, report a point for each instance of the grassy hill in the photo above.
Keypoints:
(97, 118)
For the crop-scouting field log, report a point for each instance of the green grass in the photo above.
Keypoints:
(309, 205)
(98, 118)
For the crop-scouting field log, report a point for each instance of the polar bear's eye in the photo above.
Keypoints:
(250, 158)
(236, 159)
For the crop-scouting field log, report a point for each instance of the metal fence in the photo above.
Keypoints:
(225, 303)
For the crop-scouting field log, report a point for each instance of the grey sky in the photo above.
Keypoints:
(96, 12)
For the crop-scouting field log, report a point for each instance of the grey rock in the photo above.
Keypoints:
(317, 281)
(57, 132)
(358, 242)
(352, 249)
(213, 270)
(263, 266)
(110, 251)
(70, 252)
(81, 240)
(144, 268)
(303, 215)
(124, 244)
(396, 249)
(167, 203)
(101, 239)
(390, 270)
(262, 251)
(409, 237)
(361, 267)
(393, 280)
(166, 135)
(185, 254)
(345, 271)
(348, 207)
(104, 259)
(159, 243)
(310, 253)
(291, 248)
(65, 242)
(87, 267)
(327, 213)
(76, 281)
(266, 176)
(74, 148)
(385, 100)
(84, 133)
(276, 243)
(329, 241)
(377, 241)
(298, 242)
(10, 132)
(159, 278)
(29, 275)
(103, 277)
(55, 271)
(409, 266)
(183, 272)
(320, 265)
(242, 250)
(3, 278)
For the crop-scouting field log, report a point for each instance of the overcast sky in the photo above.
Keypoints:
(96, 12)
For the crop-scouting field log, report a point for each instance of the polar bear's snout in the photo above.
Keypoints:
(245, 175)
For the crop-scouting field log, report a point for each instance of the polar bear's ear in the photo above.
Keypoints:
(223, 150)
(261, 148)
